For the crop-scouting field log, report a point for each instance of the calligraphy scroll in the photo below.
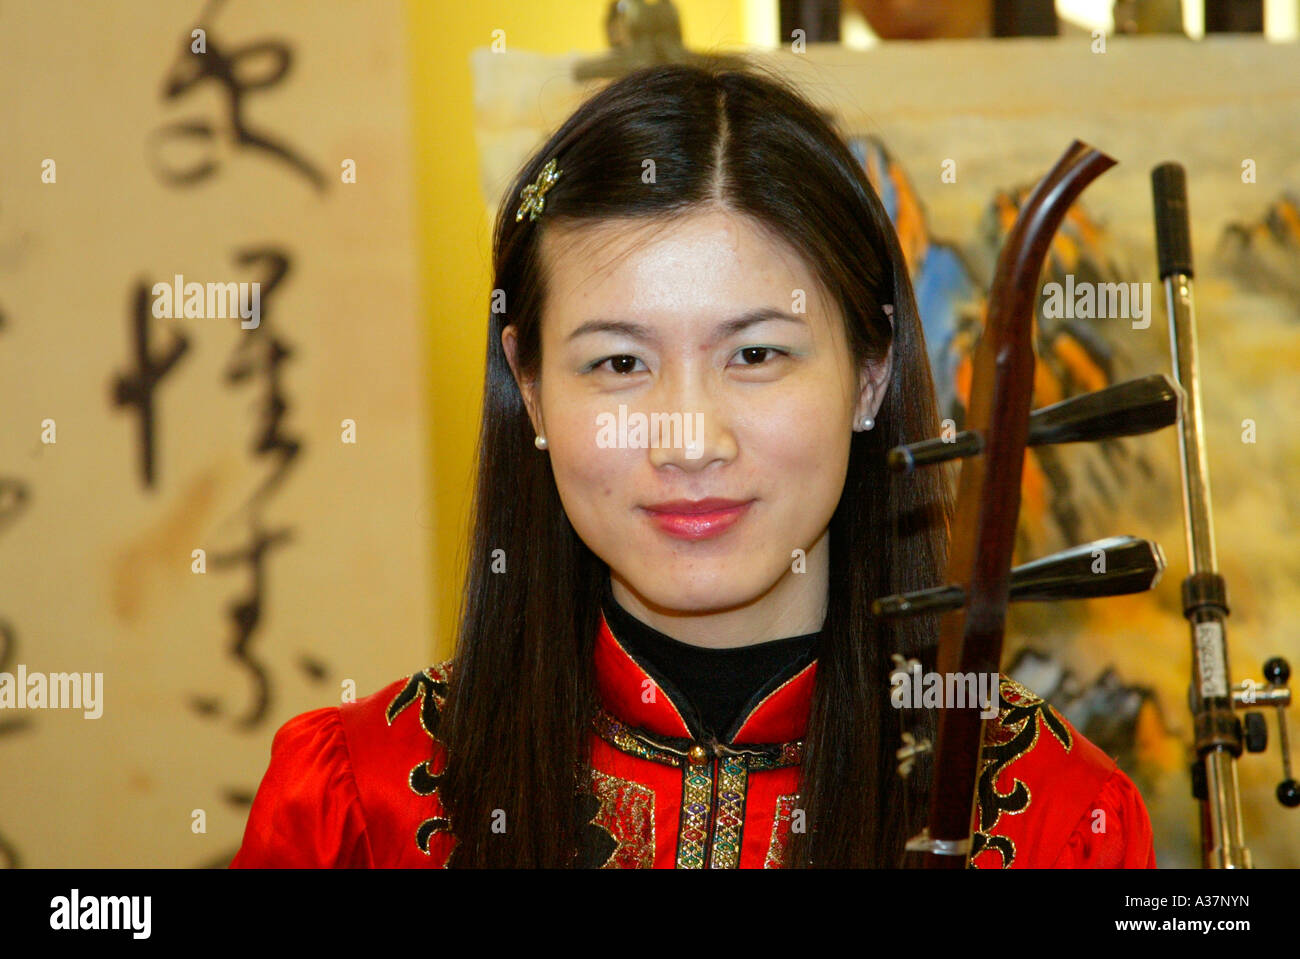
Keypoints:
(212, 506)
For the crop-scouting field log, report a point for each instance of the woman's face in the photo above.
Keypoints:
(711, 322)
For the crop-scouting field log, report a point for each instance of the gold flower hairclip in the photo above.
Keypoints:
(534, 195)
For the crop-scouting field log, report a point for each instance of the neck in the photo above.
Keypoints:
(795, 605)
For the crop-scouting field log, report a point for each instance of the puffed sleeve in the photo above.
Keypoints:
(1114, 833)
(307, 813)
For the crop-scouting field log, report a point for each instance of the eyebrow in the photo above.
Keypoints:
(645, 334)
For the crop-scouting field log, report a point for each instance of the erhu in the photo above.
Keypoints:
(979, 579)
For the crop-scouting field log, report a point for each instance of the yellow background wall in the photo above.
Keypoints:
(455, 230)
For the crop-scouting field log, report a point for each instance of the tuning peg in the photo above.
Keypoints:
(1127, 565)
(1125, 409)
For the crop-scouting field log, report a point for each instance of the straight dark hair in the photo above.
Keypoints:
(518, 717)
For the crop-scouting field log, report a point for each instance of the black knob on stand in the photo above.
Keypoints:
(1256, 733)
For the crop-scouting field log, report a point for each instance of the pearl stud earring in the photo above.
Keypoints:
(866, 423)
(539, 441)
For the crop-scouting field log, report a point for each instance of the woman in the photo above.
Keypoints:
(702, 342)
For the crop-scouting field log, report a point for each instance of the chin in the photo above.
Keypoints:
(700, 591)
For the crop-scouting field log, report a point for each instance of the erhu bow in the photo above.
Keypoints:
(999, 426)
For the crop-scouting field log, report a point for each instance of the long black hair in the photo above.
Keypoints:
(518, 718)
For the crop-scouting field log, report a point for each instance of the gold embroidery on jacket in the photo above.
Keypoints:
(710, 831)
(673, 752)
(733, 777)
(627, 813)
(636, 742)
(697, 798)
(1008, 737)
(785, 806)
(429, 687)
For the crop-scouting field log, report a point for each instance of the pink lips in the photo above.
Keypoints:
(697, 519)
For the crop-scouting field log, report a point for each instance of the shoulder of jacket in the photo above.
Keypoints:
(425, 690)
(1028, 728)
(1016, 704)
(393, 738)
(1037, 776)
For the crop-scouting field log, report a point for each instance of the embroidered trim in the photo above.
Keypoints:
(673, 752)
(627, 814)
(711, 827)
(733, 778)
(429, 686)
(636, 742)
(785, 806)
(697, 797)
(1006, 739)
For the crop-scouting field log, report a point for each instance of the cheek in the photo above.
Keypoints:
(596, 474)
(589, 478)
(805, 437)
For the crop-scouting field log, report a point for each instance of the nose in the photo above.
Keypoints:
(695, 430)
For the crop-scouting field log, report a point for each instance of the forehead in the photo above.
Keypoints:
(699, 263)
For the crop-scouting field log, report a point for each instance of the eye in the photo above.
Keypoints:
(622, 364)
(758, 354)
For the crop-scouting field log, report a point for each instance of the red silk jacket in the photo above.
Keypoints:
(353, 785)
